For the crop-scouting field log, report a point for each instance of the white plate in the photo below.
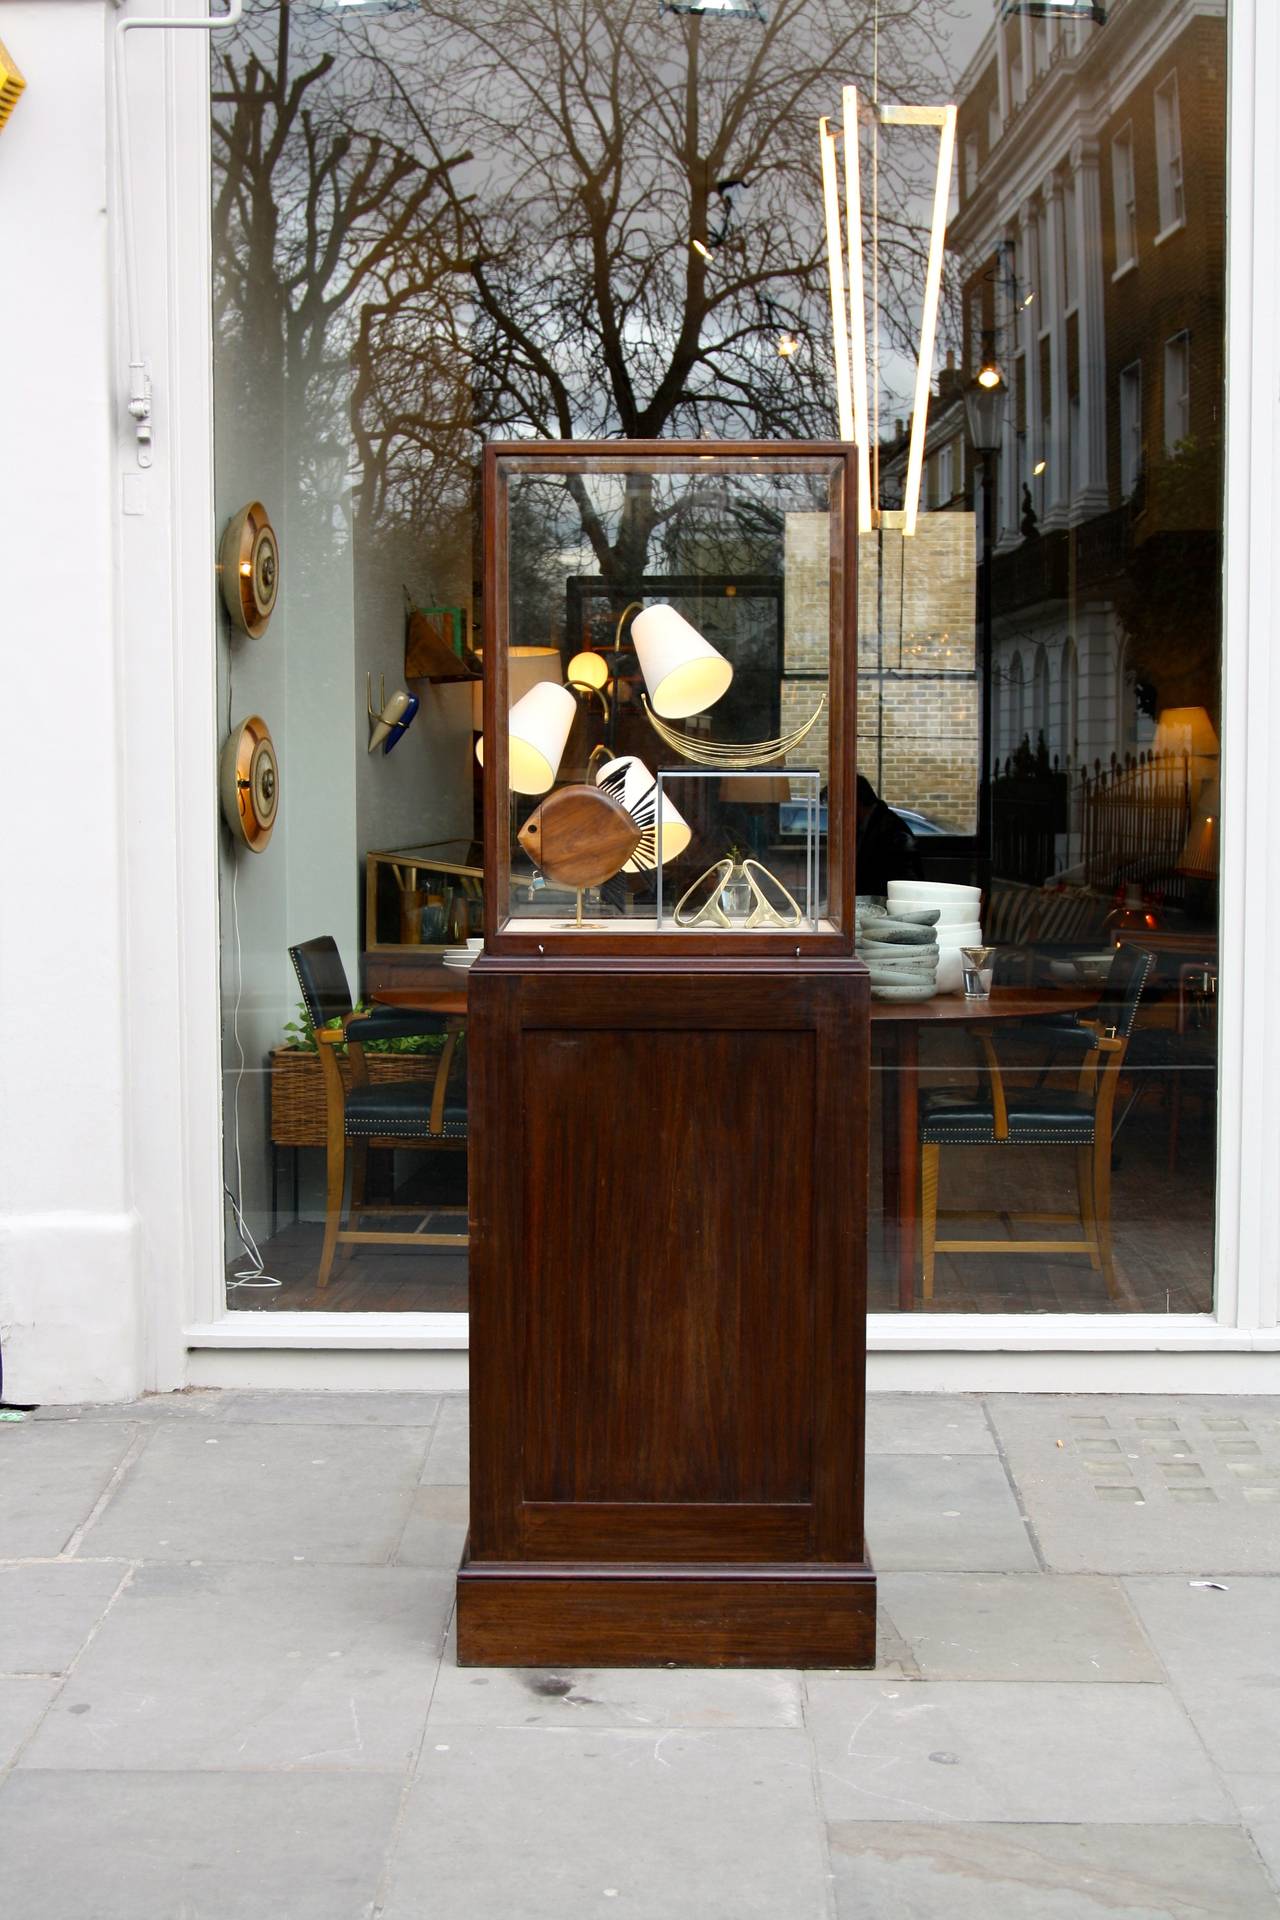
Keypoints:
(931, 892)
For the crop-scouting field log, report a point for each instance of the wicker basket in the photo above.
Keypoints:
(297, 1088)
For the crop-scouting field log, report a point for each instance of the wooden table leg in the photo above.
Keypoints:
(885, 1067)
(906, 1070)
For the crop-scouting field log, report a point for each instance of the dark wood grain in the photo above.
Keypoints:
(668, 1206)
(579, 837)
(533, 1616)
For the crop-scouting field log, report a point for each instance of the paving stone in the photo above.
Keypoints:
(927, 1423)
(332, 1409)
(268, 1493)
(22, 1702)
(449, 1461)
(1014, 1872)
(976, 1750)
(657, 1697)
(51, 1474)
(322, 1667)
(1222, 1654)
(1013, 1626)
(1142, 1485)
(436, 1528)
(172, 1846)
(558, 1825)
(189, 1403)
(930, 1513)
(47, 1609)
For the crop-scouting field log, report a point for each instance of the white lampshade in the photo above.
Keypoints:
(539, 725)
(634, 787)
(588, 670)
(526, 667)
(683, 672)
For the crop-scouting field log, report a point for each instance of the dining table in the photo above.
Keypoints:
(896, 1026)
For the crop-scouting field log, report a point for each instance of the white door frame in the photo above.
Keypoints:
(167, 617)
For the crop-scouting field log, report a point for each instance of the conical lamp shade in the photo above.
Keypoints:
(683, 672)
(629, 782)
(539, 726)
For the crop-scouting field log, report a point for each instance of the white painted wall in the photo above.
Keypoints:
(69, 1275)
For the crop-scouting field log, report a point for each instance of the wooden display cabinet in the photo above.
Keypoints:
(668, 1189)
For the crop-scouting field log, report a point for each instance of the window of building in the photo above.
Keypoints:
(1123, 190)
(1177, 391)
(392, 290)
(1169, 156)
(1017, 81)
(1070, 247)
(1130, 429)
(970, 175)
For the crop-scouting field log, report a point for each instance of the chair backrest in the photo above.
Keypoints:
(1130, 971)
(322, 978)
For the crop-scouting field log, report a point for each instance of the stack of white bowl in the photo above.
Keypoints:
(958, 921)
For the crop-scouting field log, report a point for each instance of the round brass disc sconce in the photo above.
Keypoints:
(249, 569)
(249, 782)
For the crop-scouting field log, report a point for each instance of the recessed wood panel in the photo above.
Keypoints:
(668, 1200)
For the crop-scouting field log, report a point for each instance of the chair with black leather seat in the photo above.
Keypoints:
(394, 1114)
(1079, 1118)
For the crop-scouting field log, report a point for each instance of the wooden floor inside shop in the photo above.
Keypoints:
(1163, 1227)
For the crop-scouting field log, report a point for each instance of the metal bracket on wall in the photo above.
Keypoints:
(139, 401)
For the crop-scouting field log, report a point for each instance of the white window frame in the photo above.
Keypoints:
(1177, 406)
(1129, 427)
(1124, 198)
(166, 558)
(1170, 187)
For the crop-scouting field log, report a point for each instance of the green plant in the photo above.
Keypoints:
(302, 1036)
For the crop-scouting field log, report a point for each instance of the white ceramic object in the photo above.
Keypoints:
(931, 893)
(962, 914)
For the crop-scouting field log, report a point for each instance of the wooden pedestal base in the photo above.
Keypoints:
(726, 1616)
(668, 1331)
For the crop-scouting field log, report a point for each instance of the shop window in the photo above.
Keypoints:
(416, 252)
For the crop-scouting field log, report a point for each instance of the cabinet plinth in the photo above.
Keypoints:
(668, 1215)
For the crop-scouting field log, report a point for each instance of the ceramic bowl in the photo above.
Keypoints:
(930, 893)
(960, 936)
(963, 914)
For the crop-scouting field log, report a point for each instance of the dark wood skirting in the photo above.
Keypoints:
(707, 1616)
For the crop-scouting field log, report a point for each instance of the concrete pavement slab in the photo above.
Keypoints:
(915, 1871)
(931, 1513)
(22, 1703)
(927, 1423)
(188, 1403)
(1141, 1484)
(657, 1697)
(550, 1824)
(47, 1609)
(449, 1461)
(976, 1750)
(436, 1529)
(268, 1493)
(51, 1475)
(177, 1846)
(1013, 1626)
(331, 1409)
(229, 1666)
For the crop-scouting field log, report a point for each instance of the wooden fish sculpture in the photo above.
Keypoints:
(579, 837)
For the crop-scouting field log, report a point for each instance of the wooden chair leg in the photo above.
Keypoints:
(335, 1185)
(359, 1176)
(1088, 1216)
(1102, 1207)
(928, 1215)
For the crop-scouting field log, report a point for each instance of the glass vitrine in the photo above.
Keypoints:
(681, 775)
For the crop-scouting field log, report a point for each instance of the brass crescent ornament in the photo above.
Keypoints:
(249, 569)
(249, 782)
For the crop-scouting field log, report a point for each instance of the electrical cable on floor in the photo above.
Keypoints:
(255, 1273)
